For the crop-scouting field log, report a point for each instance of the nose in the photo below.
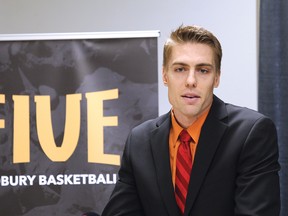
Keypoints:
(191, 80)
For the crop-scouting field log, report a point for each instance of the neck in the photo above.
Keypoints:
(184, 121)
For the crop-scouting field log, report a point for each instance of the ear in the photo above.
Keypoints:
(164, 76)
(217, 80)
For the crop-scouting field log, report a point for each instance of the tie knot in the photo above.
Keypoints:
(184, 136)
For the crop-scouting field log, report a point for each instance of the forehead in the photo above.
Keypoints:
(192, 53)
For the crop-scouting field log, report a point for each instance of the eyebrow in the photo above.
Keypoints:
(197, 65)
(205, 64)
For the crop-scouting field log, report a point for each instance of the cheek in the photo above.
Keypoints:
(210, 84)
(172, 92)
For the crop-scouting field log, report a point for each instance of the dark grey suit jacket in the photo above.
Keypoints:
(235, 171)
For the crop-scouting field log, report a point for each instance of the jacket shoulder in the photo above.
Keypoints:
(151, 124)
(243, 115)
(231, 114)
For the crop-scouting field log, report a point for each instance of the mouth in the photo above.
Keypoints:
(190, 96)
(190, 99)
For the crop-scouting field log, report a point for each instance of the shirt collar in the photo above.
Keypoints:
(194, 130)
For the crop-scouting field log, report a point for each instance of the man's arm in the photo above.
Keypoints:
(257, 185)
(124, 199)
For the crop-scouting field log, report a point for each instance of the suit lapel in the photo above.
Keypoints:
(160, 151)
(211, 134)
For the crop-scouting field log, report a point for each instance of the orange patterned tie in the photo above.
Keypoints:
(183, 169)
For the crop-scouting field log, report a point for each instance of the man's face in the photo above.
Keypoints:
(191, 77)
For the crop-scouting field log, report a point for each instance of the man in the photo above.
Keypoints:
(233, 150)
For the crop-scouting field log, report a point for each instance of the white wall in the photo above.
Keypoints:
(233, 22)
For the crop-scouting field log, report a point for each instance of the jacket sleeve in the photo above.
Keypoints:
(124, 199)
(257, 184)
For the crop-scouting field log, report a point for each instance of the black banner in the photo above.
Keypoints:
(66, 108)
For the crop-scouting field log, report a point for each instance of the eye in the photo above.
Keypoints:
(179, 69)
(203, 70)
